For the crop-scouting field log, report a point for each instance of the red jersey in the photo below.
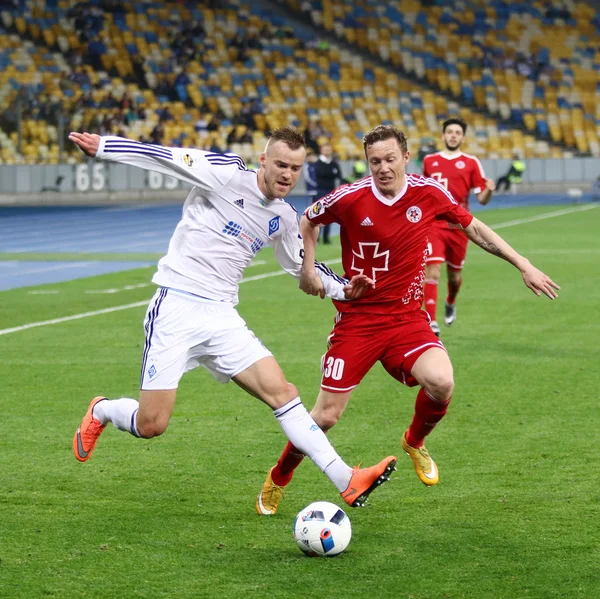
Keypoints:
(386, 239)
(458, 175)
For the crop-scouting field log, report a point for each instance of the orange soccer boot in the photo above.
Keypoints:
(87, 434)
(366, 480)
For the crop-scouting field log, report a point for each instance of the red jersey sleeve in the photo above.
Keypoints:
(477, 176)
(321, 213)
(448, 209)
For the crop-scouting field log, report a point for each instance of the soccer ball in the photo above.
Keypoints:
(322, 529)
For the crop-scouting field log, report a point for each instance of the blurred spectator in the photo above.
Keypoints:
(328, 174)
(201, 124)
(138, 70)
(213, 124)
(514, 176)
(359, 170)
(246, 137)
(10, 118)
(165, 115)
(427, 147)
(310, 176)
(181, 82)
(245, 116)
(232, 137)
(158, 133)
(313, 132)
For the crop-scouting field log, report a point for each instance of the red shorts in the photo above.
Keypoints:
(358, 341)
(447, 245)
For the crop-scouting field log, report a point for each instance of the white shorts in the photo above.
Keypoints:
(184, 331)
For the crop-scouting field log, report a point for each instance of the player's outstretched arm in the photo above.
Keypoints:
(205, 170)
(492, 243)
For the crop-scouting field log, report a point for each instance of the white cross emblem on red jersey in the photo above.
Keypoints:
(368, 260)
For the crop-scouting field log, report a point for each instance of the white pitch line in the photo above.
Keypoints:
(277, 273)
(531, 219)
(43, 323)
(44, 292)
(117, 290)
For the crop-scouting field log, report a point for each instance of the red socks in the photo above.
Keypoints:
(288, 461)
(430, 291)
(428, 412)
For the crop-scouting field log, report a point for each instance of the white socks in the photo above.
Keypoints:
(121, 412)
(305, 434)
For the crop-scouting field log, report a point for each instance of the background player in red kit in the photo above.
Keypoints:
(458, 173)
(385, 221)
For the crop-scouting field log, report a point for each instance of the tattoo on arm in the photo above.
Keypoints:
(492, 248)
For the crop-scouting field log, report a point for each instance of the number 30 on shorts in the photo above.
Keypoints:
(333, 368)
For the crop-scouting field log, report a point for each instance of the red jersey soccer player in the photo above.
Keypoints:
(385, 221)
(458, 173)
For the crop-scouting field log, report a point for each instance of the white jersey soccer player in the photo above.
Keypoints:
(229, 215)
(226, 221)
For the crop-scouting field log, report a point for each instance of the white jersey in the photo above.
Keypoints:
(226, 221)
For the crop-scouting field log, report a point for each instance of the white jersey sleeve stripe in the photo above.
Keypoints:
(133, 147)
(223, 161)
(327, 271)
(137, 151)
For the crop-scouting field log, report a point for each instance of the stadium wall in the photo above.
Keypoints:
(98, 181)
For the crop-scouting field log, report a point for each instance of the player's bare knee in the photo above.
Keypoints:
(280, 394)
(147, 429)
(440, 387)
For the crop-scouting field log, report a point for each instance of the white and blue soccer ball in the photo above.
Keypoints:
(322, 529)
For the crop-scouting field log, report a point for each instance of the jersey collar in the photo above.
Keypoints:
(451, 156)
(388, 201)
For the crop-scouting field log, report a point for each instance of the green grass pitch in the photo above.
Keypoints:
(516, 513)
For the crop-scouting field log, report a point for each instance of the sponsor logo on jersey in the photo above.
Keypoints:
(239, 203)
(414, 214)
(273, 225)
(436, 163)
(188, 160)
(316, 209)
(367, 222)
(460, 164)
(236, 230)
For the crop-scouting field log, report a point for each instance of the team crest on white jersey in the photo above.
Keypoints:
(414, 214)
(189, 161)
(273, 225)
(460, 164)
